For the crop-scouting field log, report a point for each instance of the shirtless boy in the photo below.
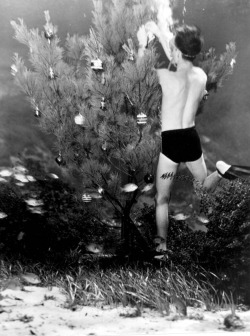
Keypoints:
(182, 91)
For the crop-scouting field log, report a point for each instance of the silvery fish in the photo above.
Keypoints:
(34, 202)
(5, 173)
(3, 215)
(180, 217)
(130, 187)
(21, 178)
(202, 219)
(148, 187)
(30, 278)
(95, 194)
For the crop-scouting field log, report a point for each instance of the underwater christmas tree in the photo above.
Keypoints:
(102, 104)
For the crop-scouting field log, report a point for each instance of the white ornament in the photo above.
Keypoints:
(79, 119)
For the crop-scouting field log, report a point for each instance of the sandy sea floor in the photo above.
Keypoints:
(42, 311)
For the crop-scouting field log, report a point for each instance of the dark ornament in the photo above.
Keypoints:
(59, 160)
(52, 75)
(49, 35)
(149, 178)
(103, 104)
(37, 112)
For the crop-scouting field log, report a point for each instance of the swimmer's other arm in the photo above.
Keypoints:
(161, 45)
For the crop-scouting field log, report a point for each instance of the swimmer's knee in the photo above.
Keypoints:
(162, 199)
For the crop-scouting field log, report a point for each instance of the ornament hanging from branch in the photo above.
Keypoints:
(96, 65)
(37, 112)
(103, 106)
(49, 35)
(129, 49)
(79, 119)
(59, 160)
(52, 75)
(86, 198)
(104, 146)
(13, 70)
(141, 119)
(149, 178)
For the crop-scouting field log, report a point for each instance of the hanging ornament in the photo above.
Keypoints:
(141, 119)
(103, 104)
(52, 75)
(129, 49)
(100, 190)
(13, 70)
(96, 65)
(103, 80)
(49, 35)
(86, 198)
(149, 178)
(205, 96)
(104, 146)
(59, 159)
(37, 112)
(79, 119)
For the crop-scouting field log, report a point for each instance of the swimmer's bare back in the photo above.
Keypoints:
(182, 91)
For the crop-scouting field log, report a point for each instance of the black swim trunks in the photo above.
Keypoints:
(181, 145)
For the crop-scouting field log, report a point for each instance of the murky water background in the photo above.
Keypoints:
(226, 118)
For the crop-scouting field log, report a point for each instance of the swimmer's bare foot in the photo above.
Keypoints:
(226, 171)
(160, 244)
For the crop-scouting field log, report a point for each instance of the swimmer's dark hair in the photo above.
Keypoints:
(189, 41)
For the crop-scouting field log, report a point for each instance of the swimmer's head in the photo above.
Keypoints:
(189, 41)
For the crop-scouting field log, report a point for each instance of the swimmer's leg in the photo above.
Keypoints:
(199, 171)
(167, 168)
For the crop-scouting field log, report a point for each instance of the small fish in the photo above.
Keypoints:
(5, 173)
(202, 219)
(13, 284)
(94, 248)
(95, 194)
(3, 215)
(21, 177)
(36, 210)
(53, 176)
(30, 278)
(148, 187)
(180, 217)
(34, 202)
(20, 169)
(30, 178)
(20, 235)
(130, 187)
(20, 184)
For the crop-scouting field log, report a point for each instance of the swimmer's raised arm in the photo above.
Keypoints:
(164, 37)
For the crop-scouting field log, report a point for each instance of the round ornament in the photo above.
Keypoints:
(141, 119)
(59, 159)
(49, 35)
(149, 178)
(79, 119)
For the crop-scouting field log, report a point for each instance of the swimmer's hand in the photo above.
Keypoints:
(152, 27)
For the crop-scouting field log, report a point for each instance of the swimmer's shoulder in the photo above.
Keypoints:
(199, 75)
